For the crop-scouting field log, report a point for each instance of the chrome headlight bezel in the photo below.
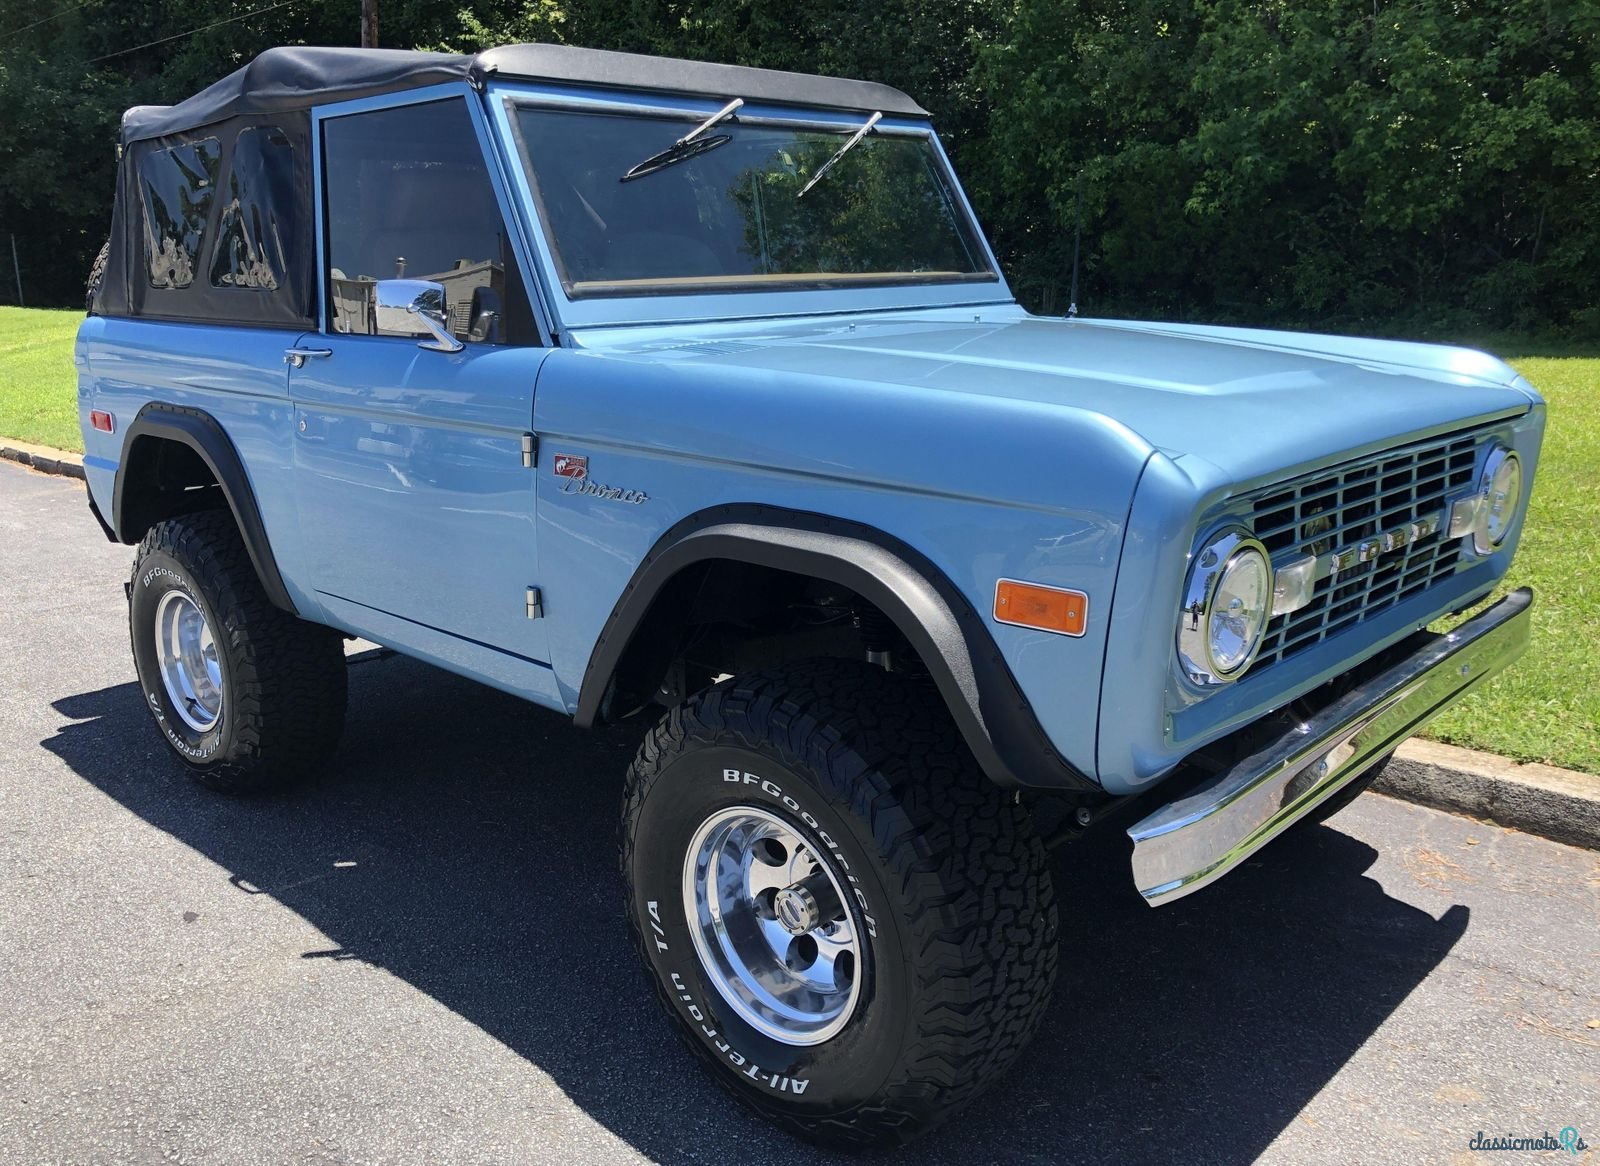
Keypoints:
(1211, 564)
(1501, 459)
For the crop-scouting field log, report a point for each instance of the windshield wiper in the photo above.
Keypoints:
(843, 150)
(687, 146)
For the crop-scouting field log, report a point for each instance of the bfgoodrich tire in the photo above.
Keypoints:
(245, 694)
(832, 794)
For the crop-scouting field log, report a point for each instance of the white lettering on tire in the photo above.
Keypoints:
(774, 791)
(210, 742)
(777, 1082)
(655, 925)
(155, 573)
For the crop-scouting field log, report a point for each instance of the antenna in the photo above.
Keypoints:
(1077, 237)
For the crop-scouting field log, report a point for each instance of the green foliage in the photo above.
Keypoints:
(1547, 707)
(881, 210)
(1422, 166)
(57, 172)
(66, 79)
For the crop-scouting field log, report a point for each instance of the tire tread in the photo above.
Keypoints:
(985, 923)
(290, 681)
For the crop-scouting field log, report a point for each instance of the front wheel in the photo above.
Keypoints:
(845, 919)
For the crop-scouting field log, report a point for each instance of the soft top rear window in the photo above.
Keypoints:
(178, 182)
(256, 236)
(745, 210)
(214, 227)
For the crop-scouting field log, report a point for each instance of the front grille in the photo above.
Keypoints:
(1337, 508)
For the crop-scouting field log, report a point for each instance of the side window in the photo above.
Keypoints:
(178, 183)
(407, 196)
(255, 237)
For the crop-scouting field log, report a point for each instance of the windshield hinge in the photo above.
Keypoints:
(530, 450)
(535, 604)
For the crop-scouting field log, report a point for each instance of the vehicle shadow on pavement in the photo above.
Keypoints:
(483, 833)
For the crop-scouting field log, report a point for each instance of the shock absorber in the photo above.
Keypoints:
(877, 636)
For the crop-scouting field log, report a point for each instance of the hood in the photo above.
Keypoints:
(1254, 404)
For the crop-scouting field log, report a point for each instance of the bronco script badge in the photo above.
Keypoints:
(574, 474)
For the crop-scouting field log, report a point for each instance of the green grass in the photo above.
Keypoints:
(1547, 708)
(38, 385)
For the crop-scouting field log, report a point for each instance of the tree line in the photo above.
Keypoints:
(1429, 167)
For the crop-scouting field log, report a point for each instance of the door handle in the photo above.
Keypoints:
(298, 356)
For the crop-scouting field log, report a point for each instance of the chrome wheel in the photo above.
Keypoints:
(190, 668)
(771, 924)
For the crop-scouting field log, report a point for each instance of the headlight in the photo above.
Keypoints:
(1226, 608)
(1502, 497)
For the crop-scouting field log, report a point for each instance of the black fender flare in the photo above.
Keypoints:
(202, 433)
(951, 638)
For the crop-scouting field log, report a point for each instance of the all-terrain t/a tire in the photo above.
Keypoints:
(845, 919)
(248, 696)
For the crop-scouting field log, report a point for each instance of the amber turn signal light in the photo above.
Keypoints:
(1050, 609)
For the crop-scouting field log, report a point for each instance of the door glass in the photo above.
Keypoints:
(408, 197)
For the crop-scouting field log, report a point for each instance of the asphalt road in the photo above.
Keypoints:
(421, 959)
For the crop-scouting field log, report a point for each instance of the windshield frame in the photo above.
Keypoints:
(700, 301)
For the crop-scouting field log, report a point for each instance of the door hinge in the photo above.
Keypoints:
(535, 604)
(530, 450)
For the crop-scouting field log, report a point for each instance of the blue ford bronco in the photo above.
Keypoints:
(692, 392)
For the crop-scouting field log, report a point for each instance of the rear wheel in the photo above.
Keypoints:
(245, 694)
(848, 923)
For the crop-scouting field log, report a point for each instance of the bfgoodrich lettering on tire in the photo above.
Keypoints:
(244, 693)
(846, 921)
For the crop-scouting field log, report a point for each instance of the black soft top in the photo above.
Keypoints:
(299, 77)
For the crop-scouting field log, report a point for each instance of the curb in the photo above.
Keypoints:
(43, 458)
(1552, 803)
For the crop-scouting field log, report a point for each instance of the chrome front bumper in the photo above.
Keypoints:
(1205, 834)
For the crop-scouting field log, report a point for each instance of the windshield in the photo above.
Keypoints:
(732, 212)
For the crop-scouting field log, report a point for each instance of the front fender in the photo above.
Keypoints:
(950, 638)
(982, 488)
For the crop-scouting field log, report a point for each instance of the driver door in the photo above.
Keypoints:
(415, 503)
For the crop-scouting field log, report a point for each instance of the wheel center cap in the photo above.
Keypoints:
(797, 910)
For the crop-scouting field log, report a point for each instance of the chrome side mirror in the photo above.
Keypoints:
(414, 307)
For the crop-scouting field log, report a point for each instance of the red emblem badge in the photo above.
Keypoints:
(571, 466)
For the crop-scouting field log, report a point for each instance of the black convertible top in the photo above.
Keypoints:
(179, 253)
(301, 76)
